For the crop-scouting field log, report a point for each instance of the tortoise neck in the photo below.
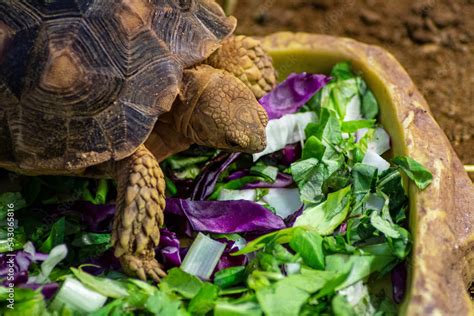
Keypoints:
(186, 106)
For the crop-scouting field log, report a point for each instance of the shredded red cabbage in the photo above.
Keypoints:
(237, 175)
(290, 154)
(399, 282)
(223, 217)
(106, 261)
(48, 290)
(21, 263)
(283, 180)
(290, 95)
(168, 249)
(96, 217)
(226, 260)
(207, 180)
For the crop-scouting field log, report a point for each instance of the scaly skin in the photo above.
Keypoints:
(226, 112)
(246, 59)
(140, 205)
(214, 109)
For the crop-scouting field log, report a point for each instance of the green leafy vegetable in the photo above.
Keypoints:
(325, 217)
(204, 300)
(313, 148)
(269, 173)
(414, 170)
(353, 126)
(162, 303)
(104, 286)
(230, 276)
(282, 236)
(241, 307)
(309, 245)
(181, 282)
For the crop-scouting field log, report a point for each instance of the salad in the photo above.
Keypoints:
(316, 224)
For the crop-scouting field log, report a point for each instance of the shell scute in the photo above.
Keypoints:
(84, 81)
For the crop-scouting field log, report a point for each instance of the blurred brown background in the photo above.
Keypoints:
(433, 39)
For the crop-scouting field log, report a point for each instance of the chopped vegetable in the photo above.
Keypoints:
(284, 201)
(202, 256)
(229, 195)
(283, 180)
(56, 255)
(207, 180)
(371, 158)
(292, 94)
(415, 171)
(168, 249)
(380, 141)
(286, 130)
(77, 297)
(328, 215)
(225, 217)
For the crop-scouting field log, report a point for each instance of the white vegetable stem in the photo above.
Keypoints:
(353, 111)
(78, 297)
(284, 201)
(371, 158)
(288, 129)
(232, 195)
(56, 255)
(380, 142)
(202, 256)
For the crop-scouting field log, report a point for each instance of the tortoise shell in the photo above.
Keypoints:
(84, 81)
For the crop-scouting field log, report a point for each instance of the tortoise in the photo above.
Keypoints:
(84, 83)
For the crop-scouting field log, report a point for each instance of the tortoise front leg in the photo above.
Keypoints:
(246, 59)
(140, 206)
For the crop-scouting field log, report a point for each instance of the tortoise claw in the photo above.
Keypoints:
(143, 267)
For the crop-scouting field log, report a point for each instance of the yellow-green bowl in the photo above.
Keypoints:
(441, 217)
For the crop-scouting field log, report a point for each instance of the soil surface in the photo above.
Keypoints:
(433, 39)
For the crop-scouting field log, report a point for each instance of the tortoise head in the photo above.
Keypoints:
(226, 113)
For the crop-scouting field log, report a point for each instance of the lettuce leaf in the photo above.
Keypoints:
(327, 216)
(414, 170)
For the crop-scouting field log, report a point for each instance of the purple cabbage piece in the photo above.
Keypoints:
(184, 186)
(343, 228)
(399, 282)
(98, 218)
(237, 175)
(226, 260)
(168, 250)
(292, 94)
(290, 154)
(224, 217)
(207, 180)
(48, 290)
(106, 261)
(21, 263)
(290, 220)
(283, 180)
(287, 155)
